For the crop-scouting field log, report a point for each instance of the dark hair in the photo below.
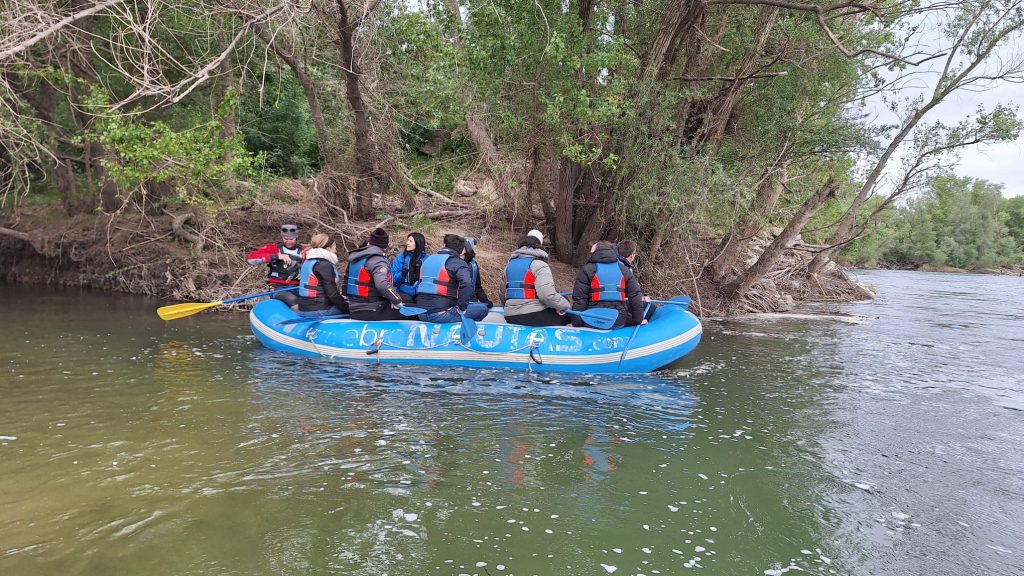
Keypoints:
(627, 248)
(455, 243)
(412, 273)
(527, 241)
(603, 245)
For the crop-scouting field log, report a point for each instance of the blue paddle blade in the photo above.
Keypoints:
(602, 318)
(468, 331)
(411, 310)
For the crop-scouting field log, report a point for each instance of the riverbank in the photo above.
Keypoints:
(996, 270)
(195, 254)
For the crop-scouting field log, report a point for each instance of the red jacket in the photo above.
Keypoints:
(278, 273)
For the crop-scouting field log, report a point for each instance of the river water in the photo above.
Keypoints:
(886, 441)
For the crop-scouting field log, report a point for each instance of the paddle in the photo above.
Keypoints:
(405, 310)
(468, 325)
(633, 335)
(313, 319)
(602, 318)
(176, 311)
(682, 301)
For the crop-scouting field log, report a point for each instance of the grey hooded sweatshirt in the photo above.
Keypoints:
(547, 294)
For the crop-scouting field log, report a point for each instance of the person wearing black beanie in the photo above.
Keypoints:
(367, 282)
(379, 238)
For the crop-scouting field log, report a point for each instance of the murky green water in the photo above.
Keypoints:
(892, 445)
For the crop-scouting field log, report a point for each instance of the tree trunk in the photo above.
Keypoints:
(286, 53)
(717, 118)
(499, 170)
(680, 17)
(569, 176)
(737, 289)
(734, 243)
(365, 150)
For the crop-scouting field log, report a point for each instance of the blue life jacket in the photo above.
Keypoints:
(608, 283)
(359, 281)
(434, 277)
(308, 281)
(519, 280)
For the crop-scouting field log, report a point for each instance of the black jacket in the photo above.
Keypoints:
(630, 312)
(459, 270)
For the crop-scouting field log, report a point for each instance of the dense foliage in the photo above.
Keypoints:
(669, 121)
(958, 222)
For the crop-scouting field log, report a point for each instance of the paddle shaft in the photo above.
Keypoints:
(633, 335)
(251, 296)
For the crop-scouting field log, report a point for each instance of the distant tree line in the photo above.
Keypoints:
(958, 222)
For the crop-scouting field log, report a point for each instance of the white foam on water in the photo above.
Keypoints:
(672, 508)
(133, 527)
(500, 566)
(8, 437)
(481, 564)
(609, 569)
(900, 515)
(617, 550)
(699, 548)
(646, 550)
(410, 517)
(702, 477)
(999, 549)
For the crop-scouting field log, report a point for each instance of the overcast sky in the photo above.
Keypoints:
(1000, 163)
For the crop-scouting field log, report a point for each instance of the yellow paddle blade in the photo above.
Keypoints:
(176, 311)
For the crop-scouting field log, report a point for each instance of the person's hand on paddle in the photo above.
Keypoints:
(647, 299)
(644, 323)
(285, 258)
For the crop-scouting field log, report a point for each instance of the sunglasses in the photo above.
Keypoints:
(289, 229)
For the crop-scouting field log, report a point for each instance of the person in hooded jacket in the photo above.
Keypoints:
(367, 281)
(627, 250)
(405, 270)
(528, 288)
(283, 260)
(479, 295)
(604, 282)
(446, 284)
(318, 280)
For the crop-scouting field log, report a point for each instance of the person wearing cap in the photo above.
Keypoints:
(446, 285)
(604, 282)
(405, 270)
(479, 295)
(367, 281)
(283, 260)
(318, 287)
(528, 288)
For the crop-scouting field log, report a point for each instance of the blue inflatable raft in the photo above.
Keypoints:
(671, 334)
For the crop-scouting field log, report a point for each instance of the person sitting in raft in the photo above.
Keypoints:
(479, 295)
(627, 255)
(405, 270)
(528, 288)
(446, 284)
(604, 282)
(318, 280)
(367, 281)
(283, 260)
